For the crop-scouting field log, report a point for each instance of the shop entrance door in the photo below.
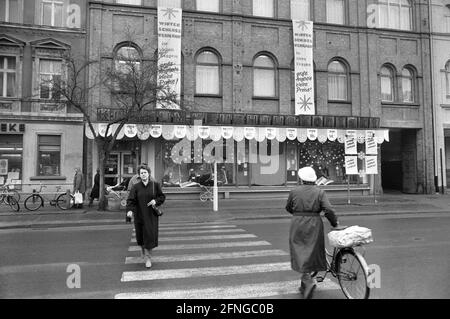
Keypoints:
(291, 162)
(120, 165)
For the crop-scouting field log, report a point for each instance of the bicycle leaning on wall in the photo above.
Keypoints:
(7, 188)
(8, 198)
(61, 200)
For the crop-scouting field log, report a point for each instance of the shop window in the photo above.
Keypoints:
(335, 11)
(7, 76)
(387, 84)
(11, 149)
(207, 74)
(395, 14)
(208, 5)
(300, 10)
(263, 8)
(49, 155)
(337, 81)
(52, 13)
(49, 79)
(407, 85)
(264, 74)
(9, 10)
(197, 172)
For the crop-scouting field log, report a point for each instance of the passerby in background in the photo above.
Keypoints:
(95, 192)
(142, 199)
(79, 185)
(306, 234)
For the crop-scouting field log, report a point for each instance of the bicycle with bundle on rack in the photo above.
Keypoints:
(8, 188)
(61, 200)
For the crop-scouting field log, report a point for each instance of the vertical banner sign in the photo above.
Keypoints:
(371, 165)
(371, 144)
(351, 165)
(304, 70)
(169, 50)
(350, 142)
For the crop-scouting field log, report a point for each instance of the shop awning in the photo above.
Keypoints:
(238, 133)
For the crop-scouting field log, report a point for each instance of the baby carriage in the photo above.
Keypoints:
(206, 184)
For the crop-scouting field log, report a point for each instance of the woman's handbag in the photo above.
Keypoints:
(158, 212)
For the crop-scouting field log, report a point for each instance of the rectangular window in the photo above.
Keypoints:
(208, 5)
(335, 11)
(263, 8)
(9, 10)
(7, 76)
(49, 78)
(337, 87)
(264, 83)
(300, 10)
(49, 155)
(133, 2)
(52, 13)
(207, 80)
(407, 90)
(386, 89)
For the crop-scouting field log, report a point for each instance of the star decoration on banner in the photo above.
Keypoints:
(169, 13)
(305, 103)
(302, 24)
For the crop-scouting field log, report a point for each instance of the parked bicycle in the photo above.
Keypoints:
(350, 268)
(7, 188)
(62, 200)
(9, 199)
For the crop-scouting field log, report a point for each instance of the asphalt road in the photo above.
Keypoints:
(237, 259)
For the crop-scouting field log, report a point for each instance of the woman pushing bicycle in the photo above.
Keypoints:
(306, 234)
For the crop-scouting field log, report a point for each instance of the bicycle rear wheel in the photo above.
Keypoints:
(13, 203)
(352, 272)
(65, 202)
(34, 202)
(15, 194)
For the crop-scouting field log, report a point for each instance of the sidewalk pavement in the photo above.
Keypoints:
(191, 211)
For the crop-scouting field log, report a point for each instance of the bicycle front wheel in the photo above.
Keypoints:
(15, 194)
(13, 203)
(65, 201)
(352, 272)
(34, 202)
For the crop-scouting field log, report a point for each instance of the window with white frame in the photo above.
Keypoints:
(264, 83)
(50, 72)
(52, 13)
(337, 81)
(133, 2)
(387, 84)
(407, 85)
(335, 11)
(207, 73)
(208, 5)
(263, 8)
(49, 155)
(7, 76)
(300, 10)
(9, 10)
(395, 14)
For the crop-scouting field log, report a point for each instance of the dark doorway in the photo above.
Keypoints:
(391, 162)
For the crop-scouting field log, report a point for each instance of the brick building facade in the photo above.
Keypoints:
(371, 60)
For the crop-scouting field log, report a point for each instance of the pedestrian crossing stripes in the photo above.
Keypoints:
(211, 256)
(188, 238)
(206, 245)
(268, 289)
(207, 251)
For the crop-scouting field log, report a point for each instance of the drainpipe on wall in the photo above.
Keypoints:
(433, 119)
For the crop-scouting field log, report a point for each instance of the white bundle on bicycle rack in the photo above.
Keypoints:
(349, 237)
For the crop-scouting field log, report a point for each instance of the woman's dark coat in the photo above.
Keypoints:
(145, 221)
(306, 235)
(95, 192)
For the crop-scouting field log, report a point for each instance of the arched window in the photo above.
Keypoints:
(337, 81)
(387, 84)
(407, 85)
(127, 58)
(395, 14)
(207, 73)
(264, 84)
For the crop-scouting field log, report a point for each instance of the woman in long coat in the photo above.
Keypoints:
(143, 197)
(306, 235)
(95, 192)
